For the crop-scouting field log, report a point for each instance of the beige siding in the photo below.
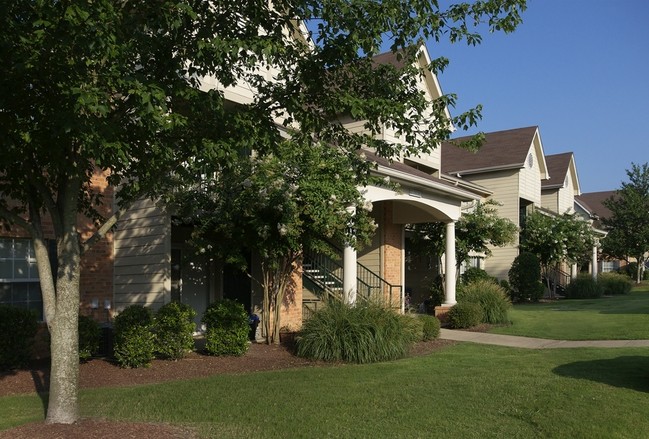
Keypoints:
(567, 197)
(549, 200)
(142, 257)
(530, 180)
(504, 185)
(370, 256)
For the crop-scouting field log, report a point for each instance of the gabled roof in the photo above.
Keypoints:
(501, 150)
(593, 203)
(560, 166)
(428, 182)
(430, 80)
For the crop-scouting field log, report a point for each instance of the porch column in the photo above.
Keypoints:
(594, 263)
(350, 266)
(449, 276)
(573, 271)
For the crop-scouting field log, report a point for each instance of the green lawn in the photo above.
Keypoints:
(609, 318)
(463, 391)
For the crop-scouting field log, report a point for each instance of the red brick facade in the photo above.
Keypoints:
(392, 241)
(97, 264)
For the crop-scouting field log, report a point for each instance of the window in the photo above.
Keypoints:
(19, 284)
(610, 266)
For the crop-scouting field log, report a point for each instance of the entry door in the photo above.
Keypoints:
(190, 283)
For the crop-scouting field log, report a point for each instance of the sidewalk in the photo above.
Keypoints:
(535, 343)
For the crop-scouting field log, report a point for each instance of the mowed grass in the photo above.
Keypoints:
(623, 317)
(462, 391)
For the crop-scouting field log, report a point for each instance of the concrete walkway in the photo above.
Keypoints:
(535, 343)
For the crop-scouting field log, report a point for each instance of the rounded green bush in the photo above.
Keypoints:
(583, 287)
(473, 274)
(227, 328)
(174, 330)
(525, 278)
(465, 315)
(18, 327)
(614, 283)
(89, 338)
(134, 339)
(491, 297)
(431, 326)
(363, 333)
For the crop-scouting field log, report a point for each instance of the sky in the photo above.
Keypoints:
(577, 69)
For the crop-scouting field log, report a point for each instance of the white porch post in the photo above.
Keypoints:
(573, 271)
(350, 267)
(594, 263)
(449, 276)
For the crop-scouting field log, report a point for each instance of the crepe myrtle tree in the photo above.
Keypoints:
(276, 206)
(478, 229)
(557, 239)
(112, 87)
(628, 225)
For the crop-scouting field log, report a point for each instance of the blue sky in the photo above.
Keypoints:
(579, 69)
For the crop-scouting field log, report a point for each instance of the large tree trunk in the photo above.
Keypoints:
(64, 329)
(64, 347)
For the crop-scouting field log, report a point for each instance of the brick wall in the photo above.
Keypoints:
(97, 263)
(291, 311)
(392, 250)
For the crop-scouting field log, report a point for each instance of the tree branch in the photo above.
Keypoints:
(13, 217)
(105, 228)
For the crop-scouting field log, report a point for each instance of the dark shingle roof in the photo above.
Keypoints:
(501, 149)
(593, 201)
(558, 167)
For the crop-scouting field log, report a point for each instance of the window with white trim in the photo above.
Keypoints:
(19, 283)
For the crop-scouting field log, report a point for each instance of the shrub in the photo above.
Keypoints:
(430, 327)
(525, 278)
(491, 297)
(465, 315)
(18, 326)
(472, 274)
(227, 328)
(134, 339)
(364, 333)
(583, 287)
(89, 338)
(614, 283)
(174, 328)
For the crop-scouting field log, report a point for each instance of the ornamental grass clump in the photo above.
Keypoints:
(174, 330)
(227, 328)
(614, 283)
(134, 339)
(491, 297)
(583, 287)
(363, 333)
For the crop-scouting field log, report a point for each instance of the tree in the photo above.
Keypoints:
(629, 228)
(556, 239)
(112, 87)
(478, 229)
(276, 206)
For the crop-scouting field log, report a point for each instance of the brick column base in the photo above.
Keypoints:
(441, 311)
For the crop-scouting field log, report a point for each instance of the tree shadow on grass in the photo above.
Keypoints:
(629, 372)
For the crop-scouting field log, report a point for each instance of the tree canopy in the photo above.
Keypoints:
(134, 89)
(629, 228)
(556, 239)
